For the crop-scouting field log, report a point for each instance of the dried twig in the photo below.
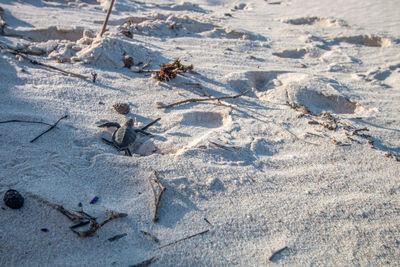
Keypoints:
(39, 122)
(152, 237)
(145, 263)
(357, 132)
(52, 127)
(221, 146)
(116, 237)
(141, 69)
(207, 221)
(70, 214)
(170, 71)
(182, 239)
(157, 197)
(204, 91)
(94, 225)
(150, 124)
(34, 62)
(107, 17)
(191, 100)
(81, 217)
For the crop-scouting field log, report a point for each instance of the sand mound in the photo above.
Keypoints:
(112, 49)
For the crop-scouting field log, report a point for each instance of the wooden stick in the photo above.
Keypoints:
(70, 214)
(52, 127)
(182, 239)
(152, 237)
(34, 62)
(157, 197)
(150, 124)
(220, 146)
(116, 237)
(204, 91)
(145, 263)
(191, 100)
(107, 17)
(94, 225)
(39, 122)
(75, 216)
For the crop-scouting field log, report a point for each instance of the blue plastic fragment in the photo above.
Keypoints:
(94, 200)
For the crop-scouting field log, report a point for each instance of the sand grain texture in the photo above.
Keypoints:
(303, 170)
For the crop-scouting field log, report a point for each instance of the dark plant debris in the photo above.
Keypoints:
(152, 237)
(157, 195)
(81, 218)
(145, 263)
(116, 237)
(170, 71)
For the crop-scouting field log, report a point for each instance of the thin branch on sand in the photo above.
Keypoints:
(34, 62)
(52, 127)
(157, 196)
(192, 100)
(150, 124)
(152, 237)
(94, 225)
(145, 263)
(79, 216)
(183, 239)
(204, 91)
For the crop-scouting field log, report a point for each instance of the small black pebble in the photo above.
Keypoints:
(44, 230)
(13, 199)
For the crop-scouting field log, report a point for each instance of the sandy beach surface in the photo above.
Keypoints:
(296, 165)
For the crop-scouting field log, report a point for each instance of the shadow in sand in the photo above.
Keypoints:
(378, 144)
(15, 22)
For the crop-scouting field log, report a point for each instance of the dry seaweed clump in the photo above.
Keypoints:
(170, 71)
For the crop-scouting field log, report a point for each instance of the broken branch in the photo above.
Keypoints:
(150, 124)
(145, 263)
(52, 127)
(192, 100)
(152, 237)
(94, 225)
(82, 219)
(34, 62)
(157, 197)
(183, 239)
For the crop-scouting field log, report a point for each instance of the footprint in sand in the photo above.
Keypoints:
(173, 26)
(190, 129)
(291, 53)
(240, 6)
(386, 76)
(261, 81)
(365, 40)
(318, 94)
(326, 22)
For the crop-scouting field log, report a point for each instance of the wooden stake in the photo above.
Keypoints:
(107, 17)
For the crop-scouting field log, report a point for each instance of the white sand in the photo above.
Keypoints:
(328, 197)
